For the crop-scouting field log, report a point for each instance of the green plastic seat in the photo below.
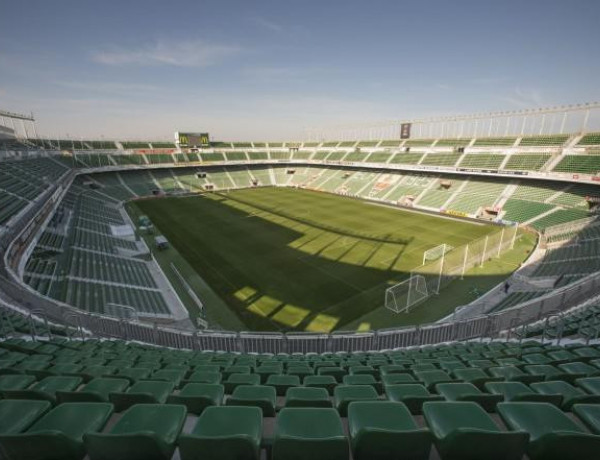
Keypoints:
(562, 356)
(589, 384)
(468, 392)
(422, 367)
(45, 389)
(144, 432)
(31, 365)
(431, 378)
(300, 371)
(394, 379)
(91, 372)
(579, 368)
(383, 430)
(203, 377)
(553, 435)
(266, 371)
(392, 369)
(15, 381)
(238, 369)
(514, 374)
(198, 396)
(328, 382)
(281, 383)
(224, 433)
(364, 370)
(261, 396)
(236, 380)
(133, 374)
(17, 415)
(168, 375)
(307, 397)
(309, 434)
(337, 372)
(142, 392)
(570, 394)
(475, 376)
(586, 353)
(464, 431)
(589, 414)
(412, 395)
(362, 379)
(345, 394)
(96, 390)
(536, 358)
(58, 434)
(519, 392)
(206, 368)
(550, 372)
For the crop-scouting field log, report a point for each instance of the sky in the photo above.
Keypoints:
(273, 70)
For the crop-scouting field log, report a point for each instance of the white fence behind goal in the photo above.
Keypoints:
(447, 264)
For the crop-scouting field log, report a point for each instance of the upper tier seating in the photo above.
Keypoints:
(556, 140)
(589, 139)
(587, 164)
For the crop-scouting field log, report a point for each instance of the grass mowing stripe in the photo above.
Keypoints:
(305, 259)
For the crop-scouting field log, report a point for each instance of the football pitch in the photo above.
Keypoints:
(290, 259)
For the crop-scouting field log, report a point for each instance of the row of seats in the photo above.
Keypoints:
(30, 430)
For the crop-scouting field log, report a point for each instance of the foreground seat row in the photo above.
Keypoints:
(382, 430)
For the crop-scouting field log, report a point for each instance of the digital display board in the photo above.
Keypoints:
(405, 130)
(193, 139)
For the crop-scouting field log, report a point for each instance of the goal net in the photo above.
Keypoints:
(406, 294)
(443, 264)
(436, 253)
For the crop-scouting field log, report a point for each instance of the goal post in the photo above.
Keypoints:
(436, 253)
(443, 264)
(406, 294)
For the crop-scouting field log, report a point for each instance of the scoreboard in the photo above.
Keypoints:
(192, 139)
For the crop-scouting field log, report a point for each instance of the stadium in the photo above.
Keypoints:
(422, 288)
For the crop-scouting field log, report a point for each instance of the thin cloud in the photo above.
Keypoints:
(190, 53)
(267, 24)
(109, 87)
(525, 99)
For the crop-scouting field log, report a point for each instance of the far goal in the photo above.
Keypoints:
(406, 294)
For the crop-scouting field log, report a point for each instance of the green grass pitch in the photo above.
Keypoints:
(288, 259)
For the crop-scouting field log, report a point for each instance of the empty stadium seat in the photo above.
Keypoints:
(224, 433)
(144, 432)
(58, 434)
(262, 396)
(463, 430)
(385, 430)
(198, 396)
(570, 394)
(307, 397)
(15, 381)
(468, 392)
(553, 435)
(309, 434)
(281, 383)
(328, 382)
(45, 389)
(18, 415)
(345, 394)
(519, 392)
(142, 392)
(235, 380)
(411, 395)
(96, 390)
